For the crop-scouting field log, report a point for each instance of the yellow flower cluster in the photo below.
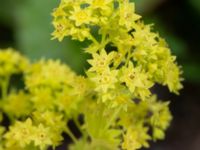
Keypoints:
(114, 98)
(128, 59)
(11, 62)
(40, 135)
(44, 73)
(39, 112)
(128, 52)
(53, 85)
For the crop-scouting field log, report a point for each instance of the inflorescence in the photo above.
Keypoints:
(114, 97)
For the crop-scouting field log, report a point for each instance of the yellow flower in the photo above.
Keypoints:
(42, 99)
(127, 14)
(51, 119)
(136, 80)
(19, 100)
(42, 137)
(105, 80)
(173, 79)
(80, 33)
(20, 133)
(101, 4)
(135, 138)
(62, 28)
(11, 62)
(100, 61)
(80, 16)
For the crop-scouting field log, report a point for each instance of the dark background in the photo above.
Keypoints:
(26, 26)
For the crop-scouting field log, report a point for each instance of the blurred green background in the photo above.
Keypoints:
(26, 26)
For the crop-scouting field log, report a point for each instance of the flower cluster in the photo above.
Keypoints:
(113, 98)
(39, 113)
(11, 62)
(126, 52)
(128, 59)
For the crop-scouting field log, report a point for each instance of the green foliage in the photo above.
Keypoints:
(195, 4)
(114, 95)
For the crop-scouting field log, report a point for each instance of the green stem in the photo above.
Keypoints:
(113, 117)
(128, 58)
(78, 125)
(4, 87)
(103, 38)
(71, 135)
(93, 39)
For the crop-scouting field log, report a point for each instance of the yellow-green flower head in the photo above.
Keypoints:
(63, 27)
(136, 80)
(100, 4)
(142, 116)
(50, 73)
(51, 120)
(70, 20)
(105, 80)
(153, 54)
(42, 137)
(127, 14)
(19, 131)
(43, 99)
(19, 100)
(134, 42)
(23, 133)
(80, 16)
(101, 61)
(114, 96)
(136, 138)
(11, 62)
(160, 119)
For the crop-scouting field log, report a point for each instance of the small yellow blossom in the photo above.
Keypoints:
(19, 131)
(80, 34)
(11, 62)
(21, 101)
(136, 80)
(41, 137)
(106, 80)
(135, 138)
(101, 4)
(100, 61)
(62, 27)
(80, 16)
(127, 14)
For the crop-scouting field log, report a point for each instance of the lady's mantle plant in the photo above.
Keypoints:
(114, 98)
